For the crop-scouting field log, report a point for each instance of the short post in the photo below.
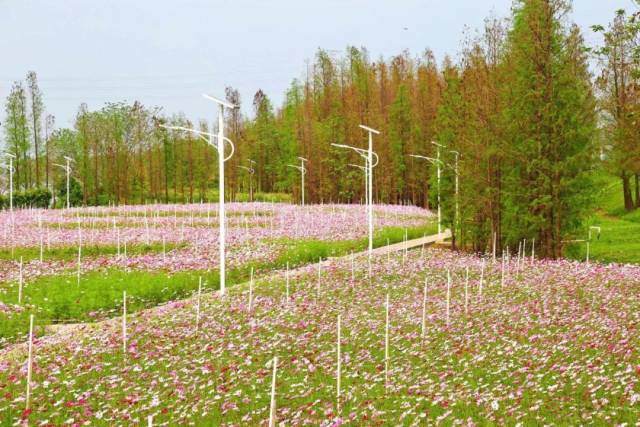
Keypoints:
(386, 344)
(287, 281)
(79, 263)
(339, 367)
(533, 250)
(448, 295)
(466, 292)
(272, 409)
(124, 322)
(198, 304)
(481, 279)
(30, 361)
(20, 282)
(424, 308)
(251, 291)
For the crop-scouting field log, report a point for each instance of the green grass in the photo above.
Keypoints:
(620, 237)
(67, 253)
(59, 299)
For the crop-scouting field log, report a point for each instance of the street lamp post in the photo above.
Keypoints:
(371, 132)
(368, 155)
(437, 163)
(303, 172)
(219, 144)
(439, 173)
(457, 219)
(67, 168)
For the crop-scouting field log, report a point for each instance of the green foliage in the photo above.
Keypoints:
(551, 116)
(75, 192)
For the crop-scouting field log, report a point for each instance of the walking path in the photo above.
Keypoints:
(427, 240)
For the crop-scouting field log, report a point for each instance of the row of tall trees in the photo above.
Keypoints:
(618, 86)
(517, 106)
(26, 131)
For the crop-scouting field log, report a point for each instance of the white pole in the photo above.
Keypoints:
(502, 273)
(287, 280)
(439, 208)
(11, 185)
(30, 361)
(198, 304)
(20, 283)
(448, 295)
(221, 212)
(386, 344)
(466, 292)
(339, 367)
(495, 237)
(150, 421)
(251, 291)
(302, 172)
(587, 252)
(272, 409)
(124, 322)
(68, 174)
(424, 308)
(481, 279)
(79, 262)
(533, 250)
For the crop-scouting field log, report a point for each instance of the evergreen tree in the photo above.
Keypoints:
(550, 116)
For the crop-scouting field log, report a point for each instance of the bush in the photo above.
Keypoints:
(75, 192)
(32, 198)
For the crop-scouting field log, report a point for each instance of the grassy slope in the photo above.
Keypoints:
(620, 238)
(59, 299)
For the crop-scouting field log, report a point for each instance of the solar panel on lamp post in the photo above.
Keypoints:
(303, 172)
(219, 145)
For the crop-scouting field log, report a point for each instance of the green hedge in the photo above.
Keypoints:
(34, 198)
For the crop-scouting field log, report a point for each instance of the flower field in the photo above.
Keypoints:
(530, 343)
(76, 264)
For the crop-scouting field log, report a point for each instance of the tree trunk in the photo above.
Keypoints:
(626, 190)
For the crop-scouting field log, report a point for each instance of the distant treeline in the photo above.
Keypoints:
(519, 105)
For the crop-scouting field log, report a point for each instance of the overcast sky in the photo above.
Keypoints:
(169, 52)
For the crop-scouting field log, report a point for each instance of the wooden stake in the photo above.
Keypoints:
(251, 291)
(339, 367)
(533, 250)
(424, 308)
(386, 344)
(287, 280)
(272, 409)
(481, 279)
(466, 292)
(448, 294)
(124, 322)
(198, 304)
(30, 361)
(79, 263)
(20, 283)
